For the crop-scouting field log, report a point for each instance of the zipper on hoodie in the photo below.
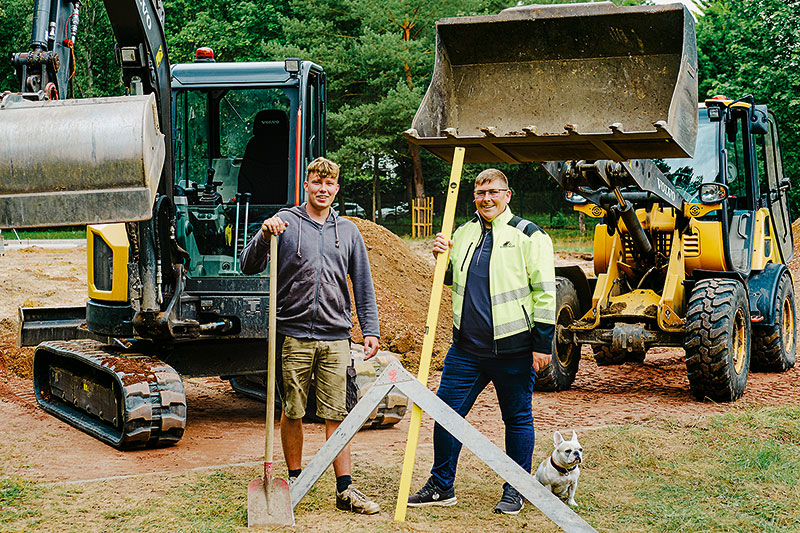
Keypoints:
(319, 279)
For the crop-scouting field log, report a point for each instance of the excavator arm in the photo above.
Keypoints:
(91, 161)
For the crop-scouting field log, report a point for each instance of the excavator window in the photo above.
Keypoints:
(232, 150)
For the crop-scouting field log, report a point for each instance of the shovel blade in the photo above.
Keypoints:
(269, 503)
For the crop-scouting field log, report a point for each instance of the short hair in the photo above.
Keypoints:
(324, 168)
(491, 174)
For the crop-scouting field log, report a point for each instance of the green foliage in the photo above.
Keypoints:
(753, 47)
(15, 34)
(96, 70)
(236, 31)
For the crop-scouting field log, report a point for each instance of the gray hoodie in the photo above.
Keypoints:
(313, 264)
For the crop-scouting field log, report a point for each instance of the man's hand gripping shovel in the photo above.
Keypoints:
(268, 500)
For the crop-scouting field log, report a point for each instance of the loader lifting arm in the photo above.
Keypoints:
(602, 183)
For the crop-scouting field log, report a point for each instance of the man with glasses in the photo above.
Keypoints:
(503, 278)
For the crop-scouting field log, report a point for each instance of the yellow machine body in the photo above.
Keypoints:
(107, 253)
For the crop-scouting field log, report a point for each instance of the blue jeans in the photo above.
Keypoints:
(463, 378)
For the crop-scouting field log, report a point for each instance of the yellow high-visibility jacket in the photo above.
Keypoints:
(522, 282)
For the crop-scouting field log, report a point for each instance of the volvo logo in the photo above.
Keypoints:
(145, 14)
(666, 190)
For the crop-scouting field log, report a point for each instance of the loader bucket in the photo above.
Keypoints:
(563, 82)
(71, 162)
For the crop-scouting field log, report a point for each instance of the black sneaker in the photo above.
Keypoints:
(431, 494)
(511, 502)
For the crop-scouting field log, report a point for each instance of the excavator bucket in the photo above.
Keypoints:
(563, 82)
(70, 162)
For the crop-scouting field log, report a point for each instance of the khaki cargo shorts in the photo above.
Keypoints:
(327, 361)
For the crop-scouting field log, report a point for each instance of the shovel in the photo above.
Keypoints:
(268, 500)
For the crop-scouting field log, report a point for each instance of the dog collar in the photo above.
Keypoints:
(563, 471)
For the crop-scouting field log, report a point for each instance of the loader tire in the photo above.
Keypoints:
(774, 346)
(717, 340)
(607, 356)
(560, 373)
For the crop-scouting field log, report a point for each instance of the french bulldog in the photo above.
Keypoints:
(561, 470)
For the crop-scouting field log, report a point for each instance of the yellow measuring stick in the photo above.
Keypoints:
(430, 334)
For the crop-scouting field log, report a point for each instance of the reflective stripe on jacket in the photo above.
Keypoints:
(522, 282)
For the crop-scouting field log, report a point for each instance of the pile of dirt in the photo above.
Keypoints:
(32, 277)
(403, 282)
(794, 264)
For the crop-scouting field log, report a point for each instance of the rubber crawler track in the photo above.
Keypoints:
(150, 393)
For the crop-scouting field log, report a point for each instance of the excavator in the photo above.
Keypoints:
(695, 232)
(173, 179)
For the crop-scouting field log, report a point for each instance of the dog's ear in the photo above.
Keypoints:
(574, 436)
(557, 439)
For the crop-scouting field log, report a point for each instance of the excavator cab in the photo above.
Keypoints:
(239, 153)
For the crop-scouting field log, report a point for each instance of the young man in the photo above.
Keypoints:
(316, 252)
(503, 278)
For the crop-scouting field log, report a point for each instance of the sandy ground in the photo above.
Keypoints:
(224, 428)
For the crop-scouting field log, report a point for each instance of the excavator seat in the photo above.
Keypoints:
(265, 165)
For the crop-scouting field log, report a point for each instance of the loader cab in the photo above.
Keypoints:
(738, 146)
(243, 136)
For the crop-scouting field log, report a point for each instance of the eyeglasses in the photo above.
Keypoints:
(491, 193)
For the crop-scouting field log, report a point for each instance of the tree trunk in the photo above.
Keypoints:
(582, 223)
(89, 74)
(419, 184)
(376, 191)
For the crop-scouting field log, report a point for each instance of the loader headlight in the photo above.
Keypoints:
(713, 193)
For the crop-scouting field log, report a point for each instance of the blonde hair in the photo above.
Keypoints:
(491, 174)
(324, 168)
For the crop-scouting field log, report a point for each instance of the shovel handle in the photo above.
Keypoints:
(273, 305)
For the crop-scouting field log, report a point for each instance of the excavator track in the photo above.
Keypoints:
(126, 400)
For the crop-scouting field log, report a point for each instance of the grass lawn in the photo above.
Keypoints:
(70, 232)
(733, 472)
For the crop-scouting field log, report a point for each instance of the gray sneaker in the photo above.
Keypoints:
(512, 501)
(352, 499)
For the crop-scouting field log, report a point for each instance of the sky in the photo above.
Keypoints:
(689, 3)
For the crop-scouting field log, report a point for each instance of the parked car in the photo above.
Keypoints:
(352, 209)
(394, 212)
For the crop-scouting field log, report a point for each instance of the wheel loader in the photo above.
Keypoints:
(174, 178)
(695, 231)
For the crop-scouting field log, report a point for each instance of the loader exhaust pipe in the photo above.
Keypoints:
(563, 82)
